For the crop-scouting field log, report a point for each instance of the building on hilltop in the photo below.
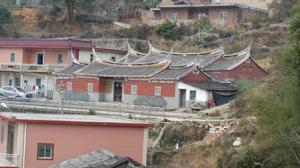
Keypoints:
(41, 140)
(225, 13)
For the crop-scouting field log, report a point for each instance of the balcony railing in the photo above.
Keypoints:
(30, 67)
(10, 160)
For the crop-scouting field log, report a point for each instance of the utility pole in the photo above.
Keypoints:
(61, 94)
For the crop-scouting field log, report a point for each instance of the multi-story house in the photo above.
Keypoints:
(28, 63)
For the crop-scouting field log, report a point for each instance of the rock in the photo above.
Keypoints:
(237, 142)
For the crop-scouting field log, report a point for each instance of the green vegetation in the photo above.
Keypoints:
(167, 30)
(277, 107)
(92, 112)
(5, 16)
(281, 9)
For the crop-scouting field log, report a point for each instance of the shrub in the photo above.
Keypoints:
(5, 16)
(92, 112)
(167, 30)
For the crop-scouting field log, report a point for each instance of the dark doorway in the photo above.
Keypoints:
(40, 59)
(10, 139)
(118, 91)
(182, 97)
(17, 82)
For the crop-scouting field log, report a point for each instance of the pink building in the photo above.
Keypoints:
(40, 140)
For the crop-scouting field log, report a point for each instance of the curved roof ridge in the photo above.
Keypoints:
(163, 62)
(156, 50)
(239, 53)
(230, 62)
(133, 51)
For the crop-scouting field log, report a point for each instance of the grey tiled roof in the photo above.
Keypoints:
(70, 69)
(231, 61)
(213, 86)
(151, 58)
(173, 73)
(99, 158)
(127, 71)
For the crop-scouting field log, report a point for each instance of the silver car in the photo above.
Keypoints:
(13, 92)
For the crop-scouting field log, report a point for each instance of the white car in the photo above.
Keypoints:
(13, 92)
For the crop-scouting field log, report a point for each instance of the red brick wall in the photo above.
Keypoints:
(194, 77)
(147, 89)
(81, 84)
(250, 71)
(232, 18)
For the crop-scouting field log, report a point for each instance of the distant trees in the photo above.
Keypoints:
(281, 9)
(5, 16)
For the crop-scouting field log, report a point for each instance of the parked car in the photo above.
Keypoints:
(15, 92)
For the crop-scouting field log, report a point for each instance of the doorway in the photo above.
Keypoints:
(118, 90)
(40, 58)
(182, 97)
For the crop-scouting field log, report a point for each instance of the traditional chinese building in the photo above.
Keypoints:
(159, 78)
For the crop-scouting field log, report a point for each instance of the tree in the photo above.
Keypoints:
(277, 104)
(5, 16)
(70, 10)
(281, 9)
(167, 30)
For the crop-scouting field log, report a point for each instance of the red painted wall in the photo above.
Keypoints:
(71, 141)
(81, 84)
(194, 77)
(247, 70)
(146, 88)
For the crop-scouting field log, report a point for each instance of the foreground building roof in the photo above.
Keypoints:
(93, 120)
(99, 158)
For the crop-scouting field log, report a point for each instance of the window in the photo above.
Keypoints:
(45, 151)
(90, 87)
(201, 15)
(133, 89)
(193, 95)
(12, 57)
(113, 59)
(59, 58)
(157, 91)
(91, 58)
(174, 16)
(69, 86)
(224, 15)
(10, 82)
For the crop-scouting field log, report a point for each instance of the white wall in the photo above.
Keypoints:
(84, 56)
(201, 95)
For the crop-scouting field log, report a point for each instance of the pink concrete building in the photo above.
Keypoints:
(40, 140)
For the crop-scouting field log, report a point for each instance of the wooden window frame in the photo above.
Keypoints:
(69, 86)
